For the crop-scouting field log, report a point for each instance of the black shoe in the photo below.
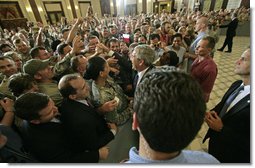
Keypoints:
(220, 50)
(228, 51)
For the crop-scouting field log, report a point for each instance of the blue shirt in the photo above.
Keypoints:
(198, 38)
(185, 157)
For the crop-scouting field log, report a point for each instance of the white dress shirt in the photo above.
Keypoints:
(140, 75)
(240, 96)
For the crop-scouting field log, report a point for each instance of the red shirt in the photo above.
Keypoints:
(205, 72)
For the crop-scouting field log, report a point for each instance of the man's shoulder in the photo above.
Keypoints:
(210, 63)
(53, 83)
(70, 103)
(236, 83)
(199, 157)
(151, 67)
(73, 105)
(185, 157)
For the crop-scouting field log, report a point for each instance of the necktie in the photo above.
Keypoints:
(135, 80)
(89, 103)
(229, 100)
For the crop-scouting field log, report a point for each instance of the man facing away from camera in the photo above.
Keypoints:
(169, 111)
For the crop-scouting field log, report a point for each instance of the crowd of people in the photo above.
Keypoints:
(72, 92)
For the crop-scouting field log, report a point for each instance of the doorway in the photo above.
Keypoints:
(55, 17)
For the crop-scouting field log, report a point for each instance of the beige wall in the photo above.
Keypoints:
(120, 7)
(111, 7)
(139, 6)
(65, 4)
(128, 2)
(96, 7)
(191, 4)
(149, 6)
(27, 10)
(94, 3)
(66, 8)
(178, 4)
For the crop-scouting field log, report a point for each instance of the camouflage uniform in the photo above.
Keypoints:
(101, 95)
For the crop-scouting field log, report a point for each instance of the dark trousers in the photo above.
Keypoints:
(228, 41)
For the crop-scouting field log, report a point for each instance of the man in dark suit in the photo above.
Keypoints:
(229, 121)
(142, 59)
(87, 128)
(43, 133)
(231, 33)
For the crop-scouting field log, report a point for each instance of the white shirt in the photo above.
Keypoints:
(55, 120)
(240, 96)
(140, 75)
(83, 102)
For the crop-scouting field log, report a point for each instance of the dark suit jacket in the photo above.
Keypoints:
(47, 142)
(148, 70)
(231, 31)
(13, 151)
(87, 129)
(232, 144)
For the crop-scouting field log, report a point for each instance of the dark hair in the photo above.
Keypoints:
(91, 37)
(169, 58)
(177, 35)
(154, 35)
(20, 82)
(164, 23)
(94, 33)
(136, 30)
(34, 52)
(95, 65)
(60, 48)
(64, 86)
(170, 109)
(2, 46)
(64, 30)
(28, 105)
(234, 14)
(157, 25)
(142, 35)
(17, 41)
(211, 42)
(112, 40)
(54, 45)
